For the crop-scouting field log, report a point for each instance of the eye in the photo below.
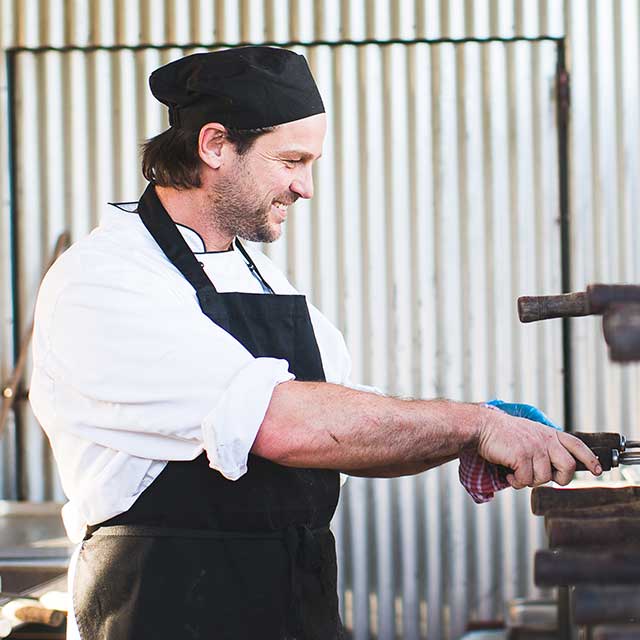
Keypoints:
(291, 162)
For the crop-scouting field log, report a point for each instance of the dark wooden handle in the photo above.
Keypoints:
(606, 457)
(576, 532)
(603, 445)
(607, 440)
(563, 567)
(621, 510)
(595, 300)
(533, 308)
(546, 499)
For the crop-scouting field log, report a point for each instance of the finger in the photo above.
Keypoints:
(523, 474)
(563, 463)
(542, 471)
(561, 478)
(581, 452)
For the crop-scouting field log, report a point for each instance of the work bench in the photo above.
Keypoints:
(34, 558)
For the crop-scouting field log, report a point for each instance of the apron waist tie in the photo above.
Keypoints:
(304, 551)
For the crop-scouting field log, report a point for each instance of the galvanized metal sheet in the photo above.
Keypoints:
(33, 23)
(410, 266)
(605, 198)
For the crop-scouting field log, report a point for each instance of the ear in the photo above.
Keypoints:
(213, 144)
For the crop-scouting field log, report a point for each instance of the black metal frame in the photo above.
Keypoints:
(563, 105)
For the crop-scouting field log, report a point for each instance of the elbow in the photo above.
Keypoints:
(287, 443)
(273, 443)
(277, 437)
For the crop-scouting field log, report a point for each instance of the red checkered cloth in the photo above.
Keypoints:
(480, 478)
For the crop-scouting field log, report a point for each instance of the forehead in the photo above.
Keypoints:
(305, 135)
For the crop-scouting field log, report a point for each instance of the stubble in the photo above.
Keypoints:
(237, 209)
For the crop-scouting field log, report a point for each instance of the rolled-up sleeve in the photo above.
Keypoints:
(231, 427)
(135, 366)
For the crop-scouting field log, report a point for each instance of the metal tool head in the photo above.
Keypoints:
(629, 457)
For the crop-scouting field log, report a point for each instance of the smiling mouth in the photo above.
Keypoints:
(281, 209)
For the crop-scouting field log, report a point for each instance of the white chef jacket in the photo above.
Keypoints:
(129, 373)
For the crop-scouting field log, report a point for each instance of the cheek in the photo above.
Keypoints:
(270, 179)
(274, 182)
(284, 179)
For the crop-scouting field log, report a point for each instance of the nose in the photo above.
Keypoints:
(303, 183)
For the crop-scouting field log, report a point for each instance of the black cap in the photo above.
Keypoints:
(241, 88)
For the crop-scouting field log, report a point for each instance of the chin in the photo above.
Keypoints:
(274, 235)
(271, 234)
(271, 231)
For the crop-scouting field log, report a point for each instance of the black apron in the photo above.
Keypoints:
(199, 556)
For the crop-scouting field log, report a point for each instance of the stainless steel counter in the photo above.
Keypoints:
(33, 545)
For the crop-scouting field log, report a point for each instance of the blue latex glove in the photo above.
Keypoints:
(520, 410)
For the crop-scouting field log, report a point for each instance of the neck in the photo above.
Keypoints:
(189, 208)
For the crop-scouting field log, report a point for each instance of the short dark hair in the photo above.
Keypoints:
(171, 158)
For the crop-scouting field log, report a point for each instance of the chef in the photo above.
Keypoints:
(199, 408)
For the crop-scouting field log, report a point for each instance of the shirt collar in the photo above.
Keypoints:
(116, 214)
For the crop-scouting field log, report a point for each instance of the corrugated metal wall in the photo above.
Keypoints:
(436, 206)
(606, 196)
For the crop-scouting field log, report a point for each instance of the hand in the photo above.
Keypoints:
(535, 453)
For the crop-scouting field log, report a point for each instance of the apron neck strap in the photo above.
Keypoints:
(164, 231)
(252, 267)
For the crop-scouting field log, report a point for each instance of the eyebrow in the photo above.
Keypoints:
(305, 155)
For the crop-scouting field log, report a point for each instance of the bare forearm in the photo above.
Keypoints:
(399, 470)
(316, 424)
(330, 426)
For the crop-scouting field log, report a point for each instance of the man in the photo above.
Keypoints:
(199, 409)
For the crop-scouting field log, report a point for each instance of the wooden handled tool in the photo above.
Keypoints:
(40, 615)
(618, 304)
(620, 510)
(608, 458)
(25, 610)
(605, 440)
(576, 532)
(595, 605)
(534, 308)
(546, 499)
(612, 449)
(563, 567)
(594, 301)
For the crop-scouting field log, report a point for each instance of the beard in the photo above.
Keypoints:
(236, 210)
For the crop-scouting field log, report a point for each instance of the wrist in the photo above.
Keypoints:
(479, 419)
(467, 422)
